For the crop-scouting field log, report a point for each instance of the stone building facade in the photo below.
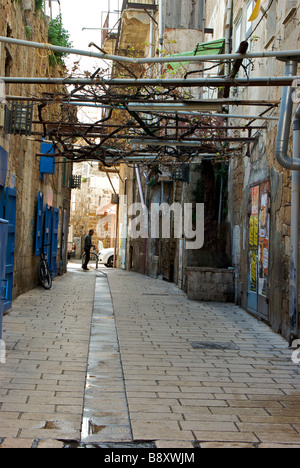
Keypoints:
(183, 30)
(21, 165)
(253, 190)
(259, 188)
(91, 206)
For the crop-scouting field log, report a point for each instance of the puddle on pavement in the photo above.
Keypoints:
(110, 445)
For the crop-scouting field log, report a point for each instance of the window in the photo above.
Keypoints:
(250, 8)
(237, 35)
(237, 39)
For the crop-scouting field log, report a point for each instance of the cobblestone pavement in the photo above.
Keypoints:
(135, 361)
(47, 336)
(245, 396)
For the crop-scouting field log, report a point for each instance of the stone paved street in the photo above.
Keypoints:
(127, 359)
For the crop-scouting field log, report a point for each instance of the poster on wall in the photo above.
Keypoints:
(259, 249)
(263, 266)
(264, 228)
(253, 271)
(254, 237)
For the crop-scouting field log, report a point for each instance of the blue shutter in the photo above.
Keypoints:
(54, 240)
(47, 163)
(39, 225)
(10, 216)
(3, 165)
(3, 245)
(47, 232)
(2, 192)
(3, 171)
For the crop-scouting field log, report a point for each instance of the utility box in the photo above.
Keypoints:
(3, 282)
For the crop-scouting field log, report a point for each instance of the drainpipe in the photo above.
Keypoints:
(284, 124)
(293, 164)
(151, 45)
(294, 256)
(161, 32)
(228, 33)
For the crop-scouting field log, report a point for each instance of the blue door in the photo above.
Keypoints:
(3, 288)
(259, 246)
(47, 231)
(54, 241)
(39, 225)
(46, 236)
(2, 193)
(10, 216)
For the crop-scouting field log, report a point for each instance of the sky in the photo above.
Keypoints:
(78, 14)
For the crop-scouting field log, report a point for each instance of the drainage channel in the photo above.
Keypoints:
(105, 416)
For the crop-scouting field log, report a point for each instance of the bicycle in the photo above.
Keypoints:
(94, 259)
(43, 271)
(104, 257)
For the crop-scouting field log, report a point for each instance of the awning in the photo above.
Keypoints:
(206, 48)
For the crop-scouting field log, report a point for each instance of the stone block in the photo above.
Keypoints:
(210, 285)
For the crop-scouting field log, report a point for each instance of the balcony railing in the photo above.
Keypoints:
(140, 4)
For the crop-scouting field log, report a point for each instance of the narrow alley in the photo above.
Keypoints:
(116, 359)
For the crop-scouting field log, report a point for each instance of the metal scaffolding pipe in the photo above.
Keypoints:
(206, 58)
(196, 142)
(164, 83)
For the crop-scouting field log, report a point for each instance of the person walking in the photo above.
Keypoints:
(87, 248)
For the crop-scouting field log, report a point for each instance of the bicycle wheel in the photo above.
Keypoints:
(44, 275)
(93, 263)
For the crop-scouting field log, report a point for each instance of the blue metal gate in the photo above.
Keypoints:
(54, 240)
(47, 232)
(46, 236)
(10, 216)
(3, 282)
(2, 193)
(39, 225)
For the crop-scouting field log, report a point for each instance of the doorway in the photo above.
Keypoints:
(258, 250)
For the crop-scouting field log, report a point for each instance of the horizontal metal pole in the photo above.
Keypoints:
(116, 100)
(155, 142)
(198, 58)
(235, 116)
(128, 160)
(56, 125)
(141, 158)
(100, 29)
(164, 83)
(172, 106)
(191, 142)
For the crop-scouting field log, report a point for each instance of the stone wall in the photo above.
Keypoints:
(256, 164)
(21, 20)
(210, 284)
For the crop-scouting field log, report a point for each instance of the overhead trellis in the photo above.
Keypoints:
(126, 134)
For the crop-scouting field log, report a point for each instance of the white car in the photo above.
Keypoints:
(106, 257)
